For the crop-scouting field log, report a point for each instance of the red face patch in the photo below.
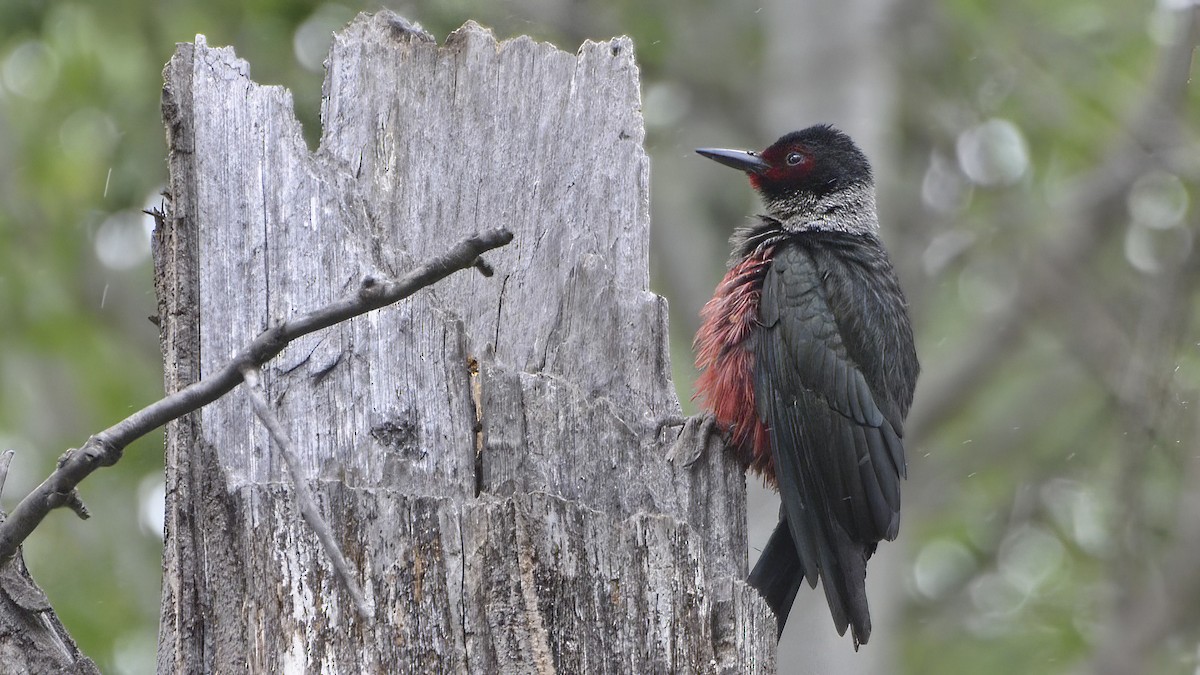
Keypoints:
(790, 165)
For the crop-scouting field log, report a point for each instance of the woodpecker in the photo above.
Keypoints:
(808, 366)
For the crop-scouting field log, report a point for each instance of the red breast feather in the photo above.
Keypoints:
(725, 357)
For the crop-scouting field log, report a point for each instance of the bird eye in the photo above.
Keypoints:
(795, 158)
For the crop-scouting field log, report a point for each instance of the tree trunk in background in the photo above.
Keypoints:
(488, 452)
(830, 63)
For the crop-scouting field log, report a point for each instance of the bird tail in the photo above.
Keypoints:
(778, 573)
(842, 568)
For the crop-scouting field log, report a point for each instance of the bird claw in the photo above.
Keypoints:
(694, 440)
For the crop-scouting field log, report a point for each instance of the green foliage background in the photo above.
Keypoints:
(1029, 505)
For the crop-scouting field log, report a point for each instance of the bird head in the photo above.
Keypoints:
(813, 179)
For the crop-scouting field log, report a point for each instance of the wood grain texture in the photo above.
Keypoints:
(32, 639)
(489, 452)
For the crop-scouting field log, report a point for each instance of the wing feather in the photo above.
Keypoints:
(836, 450)
(838, 459)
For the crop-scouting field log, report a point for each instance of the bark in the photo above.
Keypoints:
(491, 453)
(32, 639)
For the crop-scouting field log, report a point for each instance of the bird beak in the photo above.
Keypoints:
(750, 162)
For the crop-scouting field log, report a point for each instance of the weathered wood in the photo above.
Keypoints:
(32, 639)
(490, 453)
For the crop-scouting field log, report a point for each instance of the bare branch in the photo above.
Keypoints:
(1149, 606)
(1089, 212)
(105, 448)
(1155, 610)
(304, 496)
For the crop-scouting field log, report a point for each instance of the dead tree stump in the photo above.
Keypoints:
(490, 453)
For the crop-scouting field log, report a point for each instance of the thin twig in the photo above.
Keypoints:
(104, 448)
(304, 496)
(1149, 607)
(1089, 212)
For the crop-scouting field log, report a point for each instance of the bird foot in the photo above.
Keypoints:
(697, 434)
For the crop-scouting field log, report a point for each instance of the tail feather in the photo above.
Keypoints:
(844, 578)
(779, 573)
